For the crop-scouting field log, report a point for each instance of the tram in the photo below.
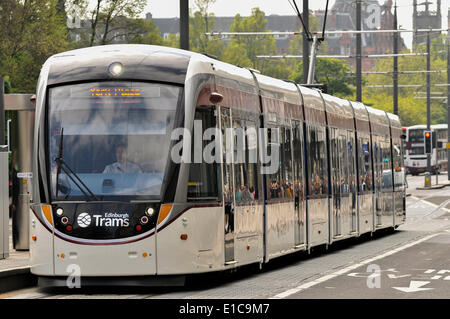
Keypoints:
(152, 163)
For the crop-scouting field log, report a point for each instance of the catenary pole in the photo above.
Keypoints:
(428, 97)
(358, 53)
(305, 41)
(2, 110)
(184, 24)
(395, 73)
(448, 104)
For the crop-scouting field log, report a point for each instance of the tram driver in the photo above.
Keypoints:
(122, 165)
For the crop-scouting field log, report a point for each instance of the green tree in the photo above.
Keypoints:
(33, 30)
(411, 100)
(236, 54)
(331, 72)
(110, 19)
(200, 23)
(255, 44)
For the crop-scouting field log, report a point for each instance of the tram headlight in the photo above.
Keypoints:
(59, 211)
(116, 68)
(149, 211)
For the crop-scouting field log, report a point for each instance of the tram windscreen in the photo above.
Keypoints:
(116, 137)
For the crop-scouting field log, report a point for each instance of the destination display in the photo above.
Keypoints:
(112, 92)
(85, 91)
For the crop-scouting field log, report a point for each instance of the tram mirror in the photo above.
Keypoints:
(403, 136)
(108, 186)
(215, 98)
(33, 99)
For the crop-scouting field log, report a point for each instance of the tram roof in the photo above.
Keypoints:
(139, 62)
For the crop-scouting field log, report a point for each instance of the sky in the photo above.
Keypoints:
(170, 9)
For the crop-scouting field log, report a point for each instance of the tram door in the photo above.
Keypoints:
(335, 180)
(378, 174)
(227, 183)
(352, 179)
(299, 188)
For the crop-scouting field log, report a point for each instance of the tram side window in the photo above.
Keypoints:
(397, 158)
(351, 161)
(317, 163)
(344, 148)
(386, 164)
(298, 161)
(334, 161)
(280, 184)
(203, 183)
(245, 161)
(365, 165)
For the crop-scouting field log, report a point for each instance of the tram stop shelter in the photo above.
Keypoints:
(20, 141)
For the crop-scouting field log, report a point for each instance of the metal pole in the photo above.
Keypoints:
(428, 97)
(305, 41)
(448, 105)
(312, 65)
(358, 52)
(395, 74)
(2, 110)
(184, 24)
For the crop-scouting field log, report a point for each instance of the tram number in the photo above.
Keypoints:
(245, 308)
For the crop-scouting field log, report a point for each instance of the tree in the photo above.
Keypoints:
(110, 19)
(33, 30)
(236, 54)
(254, 45)
(411, 100)
(331, 72)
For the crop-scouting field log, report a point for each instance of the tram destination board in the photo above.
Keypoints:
(115, 92)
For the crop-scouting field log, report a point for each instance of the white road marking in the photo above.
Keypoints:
(310, 284)
(414, 286)
(391, 276)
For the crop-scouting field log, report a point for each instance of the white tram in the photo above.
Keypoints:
(115, 196)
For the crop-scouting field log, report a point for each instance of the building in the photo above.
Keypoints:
(168, 26)
(342, 16)
(426, 19)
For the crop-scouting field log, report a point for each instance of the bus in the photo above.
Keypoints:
(415, 157)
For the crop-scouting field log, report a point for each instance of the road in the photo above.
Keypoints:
(411, 262)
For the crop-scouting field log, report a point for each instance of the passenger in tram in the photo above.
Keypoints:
(122, 165)
(344, 185)
(362, 183)
(287, 189)
(252, 192)
(243, 194)
(316, 185)
(228, 201)
(275, 190)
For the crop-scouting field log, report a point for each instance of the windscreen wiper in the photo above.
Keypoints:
(62, 165)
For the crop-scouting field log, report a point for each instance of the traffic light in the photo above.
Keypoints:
(428, 142)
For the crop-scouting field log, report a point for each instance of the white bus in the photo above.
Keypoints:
(415, 157)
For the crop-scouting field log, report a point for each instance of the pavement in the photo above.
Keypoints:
(15, 270)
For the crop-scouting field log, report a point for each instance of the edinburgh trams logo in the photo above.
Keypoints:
(84, 220)
(107, 220)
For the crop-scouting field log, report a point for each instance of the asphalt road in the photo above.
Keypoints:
(411, 262)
